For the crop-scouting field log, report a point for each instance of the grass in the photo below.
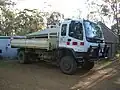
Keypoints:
(105, 63)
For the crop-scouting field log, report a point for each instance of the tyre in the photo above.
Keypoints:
(68, 65)
(22, 57)
(87, 65)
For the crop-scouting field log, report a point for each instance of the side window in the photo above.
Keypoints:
(64, 30)
(76, 30)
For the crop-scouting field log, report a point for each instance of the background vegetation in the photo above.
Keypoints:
(21, 22)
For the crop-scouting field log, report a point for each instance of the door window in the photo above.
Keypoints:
(64, 30)
(76, 30)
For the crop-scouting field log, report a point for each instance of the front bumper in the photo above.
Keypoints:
(93, 54)
(98, 52)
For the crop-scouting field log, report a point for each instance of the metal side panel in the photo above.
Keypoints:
(31, 43)
(18, 42)
(37, 43)
(54, 42)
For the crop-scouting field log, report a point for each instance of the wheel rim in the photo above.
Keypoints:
(66, 65)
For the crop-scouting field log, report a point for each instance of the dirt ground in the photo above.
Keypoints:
(40, 76)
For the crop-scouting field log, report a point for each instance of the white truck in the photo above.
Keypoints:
(69, 45)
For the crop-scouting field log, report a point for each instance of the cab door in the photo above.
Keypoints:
(63, 35)
(76, 36)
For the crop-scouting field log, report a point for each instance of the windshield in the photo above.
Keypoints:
(92, 30)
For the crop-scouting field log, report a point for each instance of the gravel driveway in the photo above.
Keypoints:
(42, 76)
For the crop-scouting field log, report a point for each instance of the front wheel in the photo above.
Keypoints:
(68, 65)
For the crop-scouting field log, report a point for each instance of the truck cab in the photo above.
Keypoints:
(81, 36)
(82, 41)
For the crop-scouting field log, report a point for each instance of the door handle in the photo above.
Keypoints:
(69, 40)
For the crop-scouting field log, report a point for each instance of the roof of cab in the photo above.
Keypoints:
(69, 20)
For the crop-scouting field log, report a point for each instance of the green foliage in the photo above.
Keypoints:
(28, 21)
(108, 9)
(20, 22)
(7, 21)
(4, 3)
(115, 7)
(54, 18)
(95, 10)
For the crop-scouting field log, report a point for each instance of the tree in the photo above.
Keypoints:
(114, 6)
(7, 21)
(115, 10)
(95, 11)
(20, 22)
(4, 3)
(54, 18)
(107, 9)
(6, 17)
(28, 21)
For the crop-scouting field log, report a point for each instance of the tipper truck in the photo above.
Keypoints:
(71, 44)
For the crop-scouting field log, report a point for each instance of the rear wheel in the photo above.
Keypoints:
(68, 65)
(87, 65)
(23, 57)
